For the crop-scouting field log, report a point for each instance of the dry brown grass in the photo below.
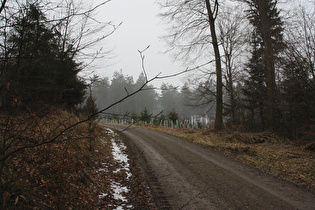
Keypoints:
(49, 166)
(266, 151)
(41, 168)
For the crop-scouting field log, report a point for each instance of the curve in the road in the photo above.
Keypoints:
(194, 177)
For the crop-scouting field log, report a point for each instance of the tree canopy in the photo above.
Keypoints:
(35, 66)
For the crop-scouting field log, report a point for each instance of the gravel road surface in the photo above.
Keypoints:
(183, 175)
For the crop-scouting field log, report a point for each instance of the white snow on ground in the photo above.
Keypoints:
(102, 195)
(121, 157)
(118, 148)
(119, 190)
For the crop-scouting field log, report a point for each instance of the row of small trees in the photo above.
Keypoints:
(152, 100)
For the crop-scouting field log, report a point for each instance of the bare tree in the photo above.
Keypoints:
(77, 20)
(192, 21)
(233, 35)
(301, 37)
(212, 15)
(298, 75)
(82, 35)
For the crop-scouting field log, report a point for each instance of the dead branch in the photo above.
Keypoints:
(2, 5)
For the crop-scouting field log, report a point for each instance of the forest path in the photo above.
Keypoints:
(183, 175)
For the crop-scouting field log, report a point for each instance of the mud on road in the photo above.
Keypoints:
(183, 175)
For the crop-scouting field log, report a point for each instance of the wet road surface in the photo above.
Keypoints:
(184, 175)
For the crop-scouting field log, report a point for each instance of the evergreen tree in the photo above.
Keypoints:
(173, 116)
(265, 18)
(38, 70)
(121, 86)
(255, 87)
(170, 98)
(100, 90)
(145, 116)
(146, 98)
(90, 106)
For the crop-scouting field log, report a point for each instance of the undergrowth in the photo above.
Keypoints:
(46, 166)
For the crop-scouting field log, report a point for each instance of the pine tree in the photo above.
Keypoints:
(173, 116)
(145, 116)
(90, 106)
(255, 87)
(265, 18)
(38, 70)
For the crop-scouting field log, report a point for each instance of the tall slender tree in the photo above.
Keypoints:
(193, 31)
(212, 15)
(233, 38)
(268, 27)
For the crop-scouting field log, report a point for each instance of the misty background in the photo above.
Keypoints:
(190, 94)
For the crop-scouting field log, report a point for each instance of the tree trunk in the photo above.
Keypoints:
(219, 101)
(230, 86)
(269, 64)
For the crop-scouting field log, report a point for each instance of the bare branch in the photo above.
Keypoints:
(186, 71)
(142, 61)
(2, 5)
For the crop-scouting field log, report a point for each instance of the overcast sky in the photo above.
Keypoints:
(141, 27)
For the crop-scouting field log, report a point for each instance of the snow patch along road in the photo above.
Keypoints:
(119, 155)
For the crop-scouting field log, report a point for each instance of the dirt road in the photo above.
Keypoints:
(183, 175)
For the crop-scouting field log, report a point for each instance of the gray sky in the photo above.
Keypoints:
(141, 27)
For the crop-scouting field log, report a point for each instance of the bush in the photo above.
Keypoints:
(145, 116)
